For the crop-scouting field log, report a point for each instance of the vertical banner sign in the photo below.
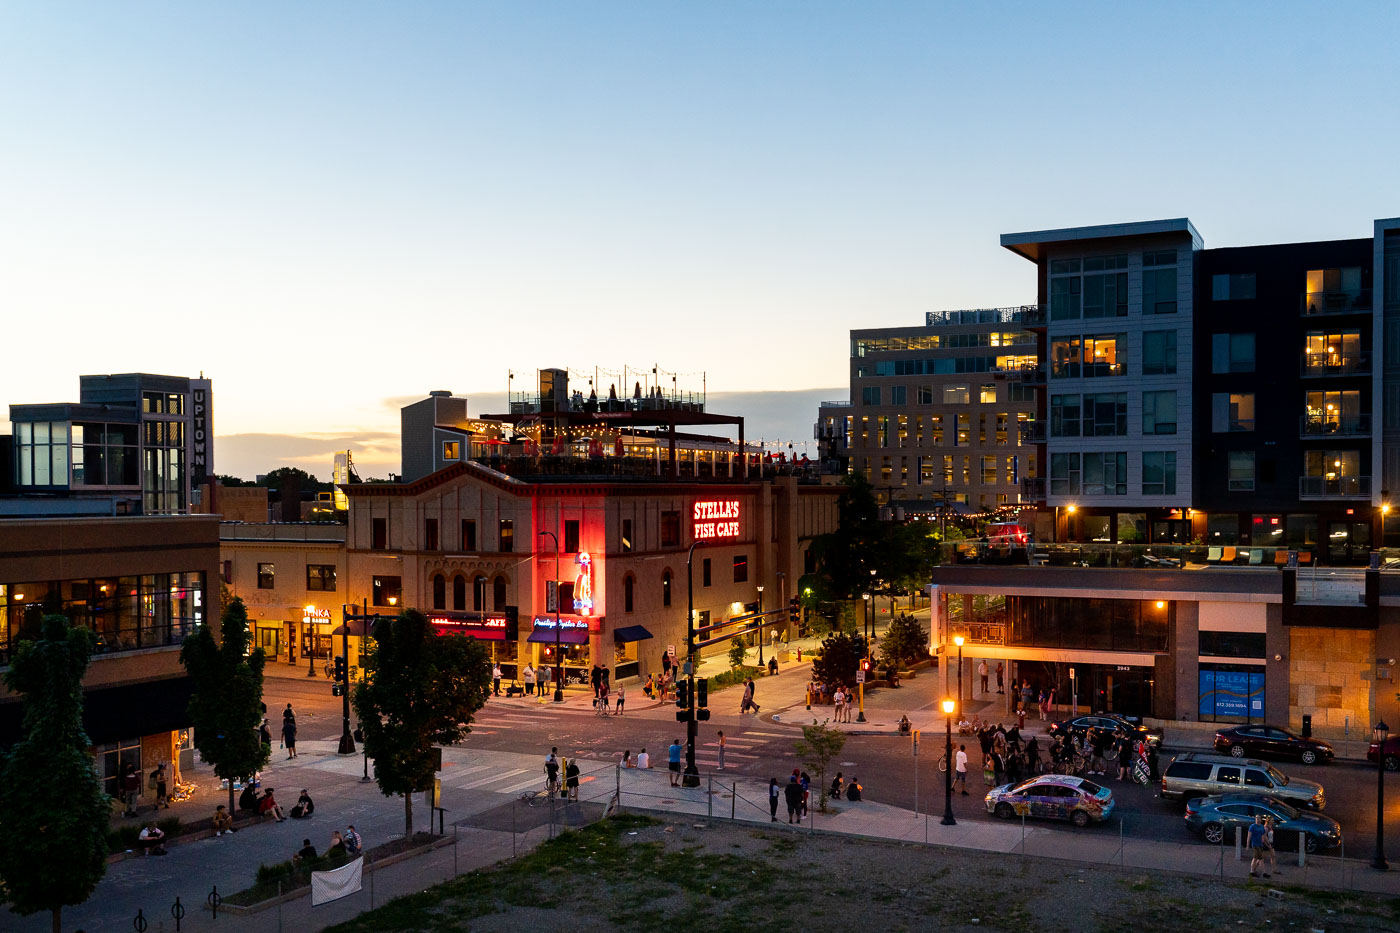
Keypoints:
(937, 636)
(551, 596)
(201, 442)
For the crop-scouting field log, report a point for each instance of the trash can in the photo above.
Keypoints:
(1307, 725)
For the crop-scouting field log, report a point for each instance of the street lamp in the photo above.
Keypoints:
(1381, 733)
(558, 659)
(958, 640)
(948, 707)
(691, 777)
(759, 604)
(865, 620)
(1385, 510)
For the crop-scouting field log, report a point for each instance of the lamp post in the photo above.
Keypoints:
(1382, 732)
(760, 624)
(948, 707)
(347, 740)
(558, 660)
(310, 616)
(691, 777)
(958, 640)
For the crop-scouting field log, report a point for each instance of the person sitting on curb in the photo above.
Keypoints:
(248, 800)
(304, 806)
(152, 840)
(337, 846)
(223, 823)
(267, 806)
(904, 725)
(853, 790)
(306, 854)
(353, 843)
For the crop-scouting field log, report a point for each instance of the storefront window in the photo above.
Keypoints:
(1095, 527)
(1132, 527)
(1266, 529)
(1231, 693)
(1107, 624)
(1300, 531)
(1222, 529)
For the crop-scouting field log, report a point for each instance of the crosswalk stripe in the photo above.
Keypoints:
(775, 735)
(536, 782)
(493, 778)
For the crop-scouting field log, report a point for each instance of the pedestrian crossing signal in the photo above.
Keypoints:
(794, 611)
(336, 690)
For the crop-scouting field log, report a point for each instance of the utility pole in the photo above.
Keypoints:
(691, 778)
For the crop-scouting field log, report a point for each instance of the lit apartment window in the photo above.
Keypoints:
(451, 450)
(266, 576)
(988, 395)
(1232, 411)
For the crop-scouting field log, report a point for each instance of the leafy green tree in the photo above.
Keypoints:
(226, 708)
(840, 658)
(906, 640)
(737, 650)
(819, 746)
(53, 812)
(420, 690)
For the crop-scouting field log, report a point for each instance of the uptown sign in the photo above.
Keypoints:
(715, 519)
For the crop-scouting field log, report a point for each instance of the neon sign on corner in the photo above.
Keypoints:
(583, 585)
(715, 519)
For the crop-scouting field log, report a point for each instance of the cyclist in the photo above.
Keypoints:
(551, 771)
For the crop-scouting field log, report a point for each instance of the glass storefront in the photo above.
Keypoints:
(1102, 624)
(1231, 693)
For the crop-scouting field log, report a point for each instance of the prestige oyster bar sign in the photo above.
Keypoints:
(715, 519)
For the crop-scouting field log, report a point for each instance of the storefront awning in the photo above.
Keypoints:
(357, 628)
(568, 636)
(631, 633)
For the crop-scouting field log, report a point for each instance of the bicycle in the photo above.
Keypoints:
(533, 798)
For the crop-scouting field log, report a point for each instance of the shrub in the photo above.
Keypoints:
(269, 875)
(170, 825)
(737, 650)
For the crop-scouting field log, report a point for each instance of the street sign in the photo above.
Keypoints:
(860, 677)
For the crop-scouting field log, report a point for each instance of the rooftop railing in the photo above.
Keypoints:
(1356, 302)
(1012, 315)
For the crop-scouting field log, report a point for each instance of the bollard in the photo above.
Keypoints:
(1239, 843)
(1302, 849)
(1023, 840)
(455, 834)
(177, 910)
(1222, 852)
(139, 924)
(371, 883)
(1122, 843)
(279, 907)
(710, 800)
(733, 796)
(513, 852)
(214, 899)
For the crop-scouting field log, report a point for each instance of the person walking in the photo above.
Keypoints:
(793, 795)
(496, 678)
(721, 750)
(289, 734)
(836, 786)
(1001, 673)
(673, 755)
(960, 769)
(1044, 704)
(1027, 695)
(775, 793)
(621, 698)
(1258, 844)
(571, 778)
(1125, 759)
(288, 715)
(982, 673)
(1269, 844)
(265, 734)
(528, 675)
(806, 781)
(753, 696)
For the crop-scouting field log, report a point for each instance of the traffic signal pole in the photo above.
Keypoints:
(691, 778)
(347, 740)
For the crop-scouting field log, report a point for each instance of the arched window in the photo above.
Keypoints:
(666, 588)
(498, 593)
(459, 592)
(628, 584)
(479, 594)
(439, 591)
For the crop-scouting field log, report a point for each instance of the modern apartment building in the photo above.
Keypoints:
(941, 412)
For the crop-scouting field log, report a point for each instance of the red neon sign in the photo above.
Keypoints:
(715, 519)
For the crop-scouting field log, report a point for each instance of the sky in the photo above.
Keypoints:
(330, 208)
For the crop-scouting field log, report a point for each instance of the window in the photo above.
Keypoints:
(479, 594)
(1227, 776)
(988, 394)
(1332, 289)
(266, 574)
(1159, 413)
(1158, 352)
(898, 395)
(1066, 357)
(666, 588)
(439, 591)
(626, 535)
(870, 395)
(1106, 414)
(1105, 474)
(430, 535)
(1101, 354)
(989, 470)
(670, 529)
(1232, 353)
(498, 594)
(1334, 412)
(1159, 473)
(468, 535)
(956, 395)
(1189, 770)
(379, 539)
(1256, 778)
(1240, 467)
(451, 450)
(924, 395)
(565, 595)
(1064, 416)
(1335, 352)
(1064, 298)
(507, 536)
(1232, 286)
(320, 577)
(741, 568)
(1158, 283)
(1106, 295)
(628, 586)
(1232, 411)
(571, 536)
(1064, 474)
(705, 572)
(1332, 464)
(459, 592)
(386, 591)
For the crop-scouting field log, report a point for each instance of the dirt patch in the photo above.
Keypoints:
(632, 873)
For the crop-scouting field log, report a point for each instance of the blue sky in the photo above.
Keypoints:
(329, 206)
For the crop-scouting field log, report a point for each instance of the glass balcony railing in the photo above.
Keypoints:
(1033, 489)
(1353, 302)
(1336, 364)
(1334, 487)
(1032, 432)
(1352, 426)
(1020, 314)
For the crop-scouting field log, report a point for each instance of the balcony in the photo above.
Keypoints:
(1087, 370)
(1319, 303)
(1032, 432)
(1030, 375)
(1354, 426)
(845, 403)
(1012, 315)
(1334, 487)
(1336, 364)
(1033, 489)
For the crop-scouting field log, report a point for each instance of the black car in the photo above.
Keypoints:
(1261, 741)
(1119, 726)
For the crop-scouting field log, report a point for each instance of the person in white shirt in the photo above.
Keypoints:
(839, 699)
(496, 677)
(643, 759)
(528, 675)
(960, 769)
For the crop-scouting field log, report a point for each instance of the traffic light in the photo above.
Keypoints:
(794, 611)
(865, 664)
(340, 670)
(682, 694)
(337, 689)
(702, 714)
(702, 692)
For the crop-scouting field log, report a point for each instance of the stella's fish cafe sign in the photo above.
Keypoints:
(715, 519)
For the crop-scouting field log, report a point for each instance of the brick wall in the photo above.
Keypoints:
(1330, 677)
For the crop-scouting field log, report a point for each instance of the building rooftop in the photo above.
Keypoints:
(1031, 244)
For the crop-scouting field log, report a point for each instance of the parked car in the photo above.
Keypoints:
(1120, 727)
(1260, 741)
(1215, 818)
(1198, 774)
(1392, 753)
(1052, 796)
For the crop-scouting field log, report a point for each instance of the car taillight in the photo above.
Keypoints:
(1190, 810)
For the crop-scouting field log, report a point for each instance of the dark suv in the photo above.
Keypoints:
(1260, 741)
(1120, 727)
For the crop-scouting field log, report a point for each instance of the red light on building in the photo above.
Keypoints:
(715, 519)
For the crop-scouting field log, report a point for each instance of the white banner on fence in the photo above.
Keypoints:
(327, 886)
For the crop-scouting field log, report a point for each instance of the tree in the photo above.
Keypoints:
(226, 708)
(819, 745)
(420, 690)
(840, 657)
(737, 651)
(53, 812)
(906, 640)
